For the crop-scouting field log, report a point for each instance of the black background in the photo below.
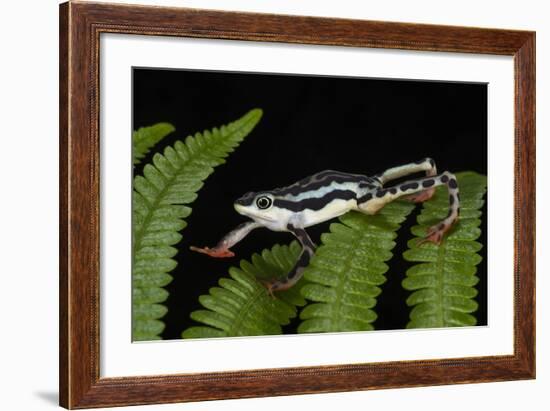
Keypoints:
(309, 124)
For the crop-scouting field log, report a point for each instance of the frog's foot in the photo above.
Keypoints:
(421, 196)
(215, 252)
(270, 285)
(435, 233)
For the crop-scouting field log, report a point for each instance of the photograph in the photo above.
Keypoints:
(254, 203)
(275, 204)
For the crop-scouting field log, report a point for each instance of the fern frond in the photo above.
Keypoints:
(146, 137)
(159, 199)
(348, 268)
(242, 306)
(443, 282)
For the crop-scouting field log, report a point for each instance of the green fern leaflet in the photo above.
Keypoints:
(146, 137)
(160, 201)
(348, 268)
(443, 281)
(242, 306)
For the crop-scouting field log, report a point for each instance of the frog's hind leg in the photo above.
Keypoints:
(426, 164)
(308, 249)
(372, 202)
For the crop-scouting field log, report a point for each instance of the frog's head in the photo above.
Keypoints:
(258, 206)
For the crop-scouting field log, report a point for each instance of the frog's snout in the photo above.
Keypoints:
(239, 201)
(245, 200)
(239, 208)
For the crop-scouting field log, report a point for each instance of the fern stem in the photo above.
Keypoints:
(441, 282)
(236, 327)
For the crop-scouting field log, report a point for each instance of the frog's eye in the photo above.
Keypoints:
(263, 202)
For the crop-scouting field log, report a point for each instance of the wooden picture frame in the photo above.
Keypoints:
(80, 27)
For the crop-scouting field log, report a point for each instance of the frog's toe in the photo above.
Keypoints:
(435, 234)
(434, 237)
(269, 285)
(421, 196)
(270, 291)
(214, 252)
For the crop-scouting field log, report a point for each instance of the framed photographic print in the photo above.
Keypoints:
(258, 205)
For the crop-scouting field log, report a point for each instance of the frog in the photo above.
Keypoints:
(327, 195)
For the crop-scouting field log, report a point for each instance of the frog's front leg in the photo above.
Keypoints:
(371, 202)
(222, 249)
(308, 249)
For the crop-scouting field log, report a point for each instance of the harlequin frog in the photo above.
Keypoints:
(327, 195)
